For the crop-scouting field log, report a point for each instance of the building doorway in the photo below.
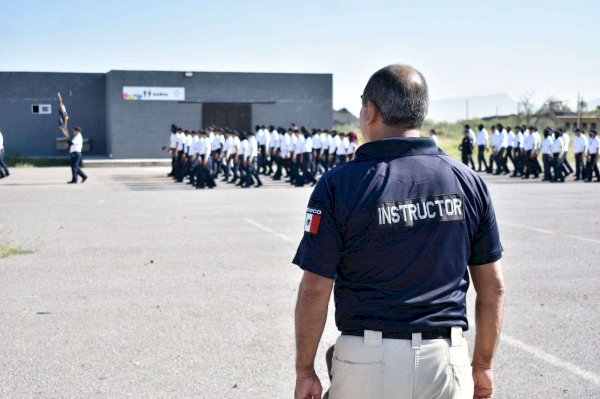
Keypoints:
(237, 116)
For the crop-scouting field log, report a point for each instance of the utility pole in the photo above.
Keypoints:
(578, 110)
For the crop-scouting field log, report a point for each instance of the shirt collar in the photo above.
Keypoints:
(398, 147)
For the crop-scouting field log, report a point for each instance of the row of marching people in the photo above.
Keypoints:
(295, 153)
(522, 146)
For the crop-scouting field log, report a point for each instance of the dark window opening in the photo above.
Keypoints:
(236, 116)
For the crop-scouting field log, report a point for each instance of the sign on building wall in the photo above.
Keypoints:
(135, 93)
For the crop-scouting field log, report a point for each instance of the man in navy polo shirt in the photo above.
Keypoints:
(395, 230)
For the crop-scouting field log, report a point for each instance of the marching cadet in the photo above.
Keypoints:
(546, 150)
(333, 146)
(518, 152)
(204, 176)
(241, 162)
(353, 146)
(225, 155)
(482, 146)
(557, 152)
(317, 146)
(235, 155)
(466, 147)
(251, 154)
(273, 144)
(538, 144)
(216, 141)
(262, 137)
(327, 144)
(509, 148)
(192, 155)
(501, 156)
(180, 165)
(494, 146)
(580, 145)
(592, 164)
(306, 160)
(565, 157)
(297, 179)
(342, 149)
(4, 172)
(189, 165)
(173, 149)
(286, 145)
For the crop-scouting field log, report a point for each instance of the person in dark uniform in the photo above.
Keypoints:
(466, 148)
(401, 195)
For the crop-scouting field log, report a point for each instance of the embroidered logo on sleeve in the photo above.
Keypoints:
(312, 221)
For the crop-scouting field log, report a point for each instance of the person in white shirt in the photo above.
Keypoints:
(261, 137)
(333, 146)
(546, 150)
(180, 163)
(482, 146)
(204, 176)
(580, 145)
(75, 147)
(241, 163)
(173, 149)
(251, 156)
(538, 144)
(568, 169)
(342, 149)
(273, 144)
(192, 156)
(4, 172)
(298, 142)
(592, 164)
(494, 147)
(317, 151)
(501, 152)
(557, 152)
(306, 161)
(517, 145)
(353, 146)
(278, 153)
(227, 155)
(510, 148)
(237, 156)
(215, 160)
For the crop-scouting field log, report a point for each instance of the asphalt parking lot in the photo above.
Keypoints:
(140, 287)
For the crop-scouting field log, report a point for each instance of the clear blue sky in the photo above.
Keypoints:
(463, 48)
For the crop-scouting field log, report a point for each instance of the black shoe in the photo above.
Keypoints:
(259, 184)
(83, 179)
(72, 182)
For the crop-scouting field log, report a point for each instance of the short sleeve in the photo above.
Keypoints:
(321, 247)
(486, 246)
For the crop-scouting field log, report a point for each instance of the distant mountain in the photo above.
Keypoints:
(454, 109)
(344, 117)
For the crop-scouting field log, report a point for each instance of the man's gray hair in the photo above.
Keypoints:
(401, 95)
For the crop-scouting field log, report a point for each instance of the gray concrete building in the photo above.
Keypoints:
(127, 114)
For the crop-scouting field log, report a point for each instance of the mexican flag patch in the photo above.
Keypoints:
(312, 221)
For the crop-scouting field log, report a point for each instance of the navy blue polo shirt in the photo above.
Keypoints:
(396, 229)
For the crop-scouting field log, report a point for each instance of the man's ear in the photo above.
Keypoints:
(373, 113)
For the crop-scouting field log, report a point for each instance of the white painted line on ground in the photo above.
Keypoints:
(532, 350)
(551, 359)
(522, 226)
(268, 230)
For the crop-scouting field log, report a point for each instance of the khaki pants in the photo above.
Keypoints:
(376, 368)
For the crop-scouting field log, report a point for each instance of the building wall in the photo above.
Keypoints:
(30, 134)
(138, 129)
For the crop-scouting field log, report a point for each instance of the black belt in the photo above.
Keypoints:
(440, 333)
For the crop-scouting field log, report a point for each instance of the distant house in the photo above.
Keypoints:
(586, 122)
